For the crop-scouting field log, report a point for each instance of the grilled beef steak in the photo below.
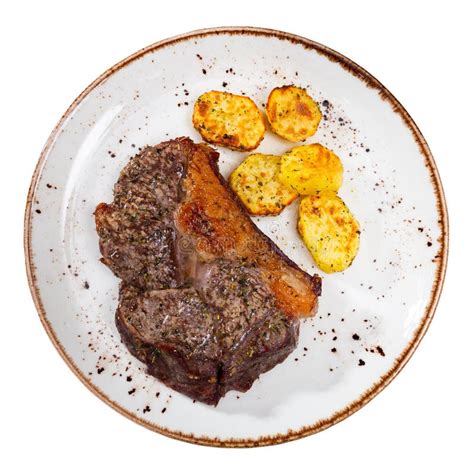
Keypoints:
(207, 301)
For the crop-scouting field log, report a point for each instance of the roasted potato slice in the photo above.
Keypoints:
(229, 120)
(255, 182)
(308, 169)
(329, 231)
(292, 112)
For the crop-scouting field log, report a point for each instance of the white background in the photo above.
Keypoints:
(422, 51)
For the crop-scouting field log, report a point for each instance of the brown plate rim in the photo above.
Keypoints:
(400, 362)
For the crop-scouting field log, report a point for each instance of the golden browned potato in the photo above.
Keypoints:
(308, 169)
(230, 120)
(329, 230)
(292, 113)
(255, 182)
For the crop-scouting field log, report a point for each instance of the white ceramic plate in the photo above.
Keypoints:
(371, 317)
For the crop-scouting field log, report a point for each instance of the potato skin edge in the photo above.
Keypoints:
(262, 214)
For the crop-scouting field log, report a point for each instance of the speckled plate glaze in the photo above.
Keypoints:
(371, 317)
